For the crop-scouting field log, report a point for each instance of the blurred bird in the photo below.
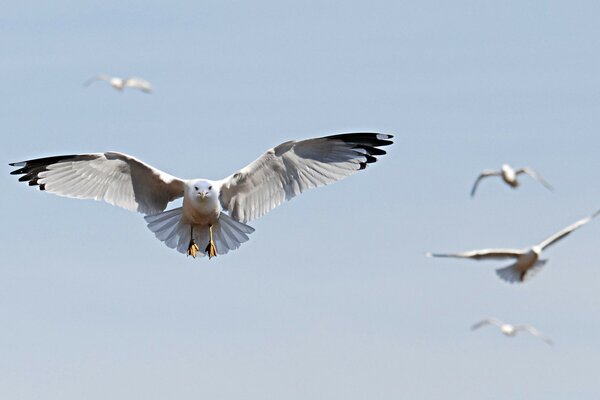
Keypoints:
(527, 260)
(512, 330)
(120, 83)
(509, 175)
(280, 174)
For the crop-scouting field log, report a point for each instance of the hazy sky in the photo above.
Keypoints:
(332, 297)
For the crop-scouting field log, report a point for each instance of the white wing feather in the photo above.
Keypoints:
(565, 232)
(101, 77)
(487, 321)
(138, 83)
(498, 254)
(115, 178)
(486, 173)
(294, 167)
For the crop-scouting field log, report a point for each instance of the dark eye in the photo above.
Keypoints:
(210, 188)
(196, 187)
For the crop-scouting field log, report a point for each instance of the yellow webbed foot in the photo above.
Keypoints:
(192, 249)
(211, 249)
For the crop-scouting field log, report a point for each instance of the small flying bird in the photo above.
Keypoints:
(509, 175)
(278, 175)
(512, 330)
(121, 83)
(527, 260)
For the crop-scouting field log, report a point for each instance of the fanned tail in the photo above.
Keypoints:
(512, 275)
(167, 226)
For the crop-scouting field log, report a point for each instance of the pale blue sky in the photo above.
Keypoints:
(332, 297)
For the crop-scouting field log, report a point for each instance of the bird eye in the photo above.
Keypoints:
(210, 188)
(196, 187)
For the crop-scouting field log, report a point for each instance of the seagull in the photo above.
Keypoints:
(121, 83)
(509, 175)
(512, 330)
(527, 260)
(213, 211)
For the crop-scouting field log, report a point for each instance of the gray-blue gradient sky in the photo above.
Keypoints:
(332, 298)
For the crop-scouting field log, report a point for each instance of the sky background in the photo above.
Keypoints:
(332, 298)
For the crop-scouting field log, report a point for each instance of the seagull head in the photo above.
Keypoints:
(202, 190)
(508, 329)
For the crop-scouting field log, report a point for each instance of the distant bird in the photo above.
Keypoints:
(278, 175)
(509, 175)
(120, 83)
(512, 330)
(527, 260)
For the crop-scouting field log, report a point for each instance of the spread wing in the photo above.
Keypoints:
(565, 232)
(294, 167)
(115, 178)
(498, 254)
(101, 77)
(139, 83)
(534, 175)
(487, 321)
(484, 174)
(534, 332)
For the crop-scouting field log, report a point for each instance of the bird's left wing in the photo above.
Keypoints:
(534, 175)
(115, 178)
(294, 167)
(534, 332)
(138, 83)
(565, 232)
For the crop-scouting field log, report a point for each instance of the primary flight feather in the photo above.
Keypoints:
(213, 211)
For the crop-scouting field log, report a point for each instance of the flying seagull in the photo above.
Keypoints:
(509, 175)
(511, 330)
(278, 175)
(527, 260)
(121, 83)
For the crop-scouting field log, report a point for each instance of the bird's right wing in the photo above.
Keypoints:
(498, 254)
(565, 232)
(487, 321)
(115, 178)
(101, 77)
(484, 174)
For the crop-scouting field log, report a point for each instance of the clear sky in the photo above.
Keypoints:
(332, 297)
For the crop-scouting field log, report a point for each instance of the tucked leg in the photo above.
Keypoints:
(211, 249)
(193, 247)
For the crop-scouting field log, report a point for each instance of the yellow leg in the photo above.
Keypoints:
(211, 249)
(193, 247)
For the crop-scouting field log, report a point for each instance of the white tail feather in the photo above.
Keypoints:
(513, 275)
(167, 226)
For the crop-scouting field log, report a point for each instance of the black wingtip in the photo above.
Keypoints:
(367, 144)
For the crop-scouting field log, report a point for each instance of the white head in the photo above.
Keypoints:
(508, 329)
(202, 190)
(117, 83)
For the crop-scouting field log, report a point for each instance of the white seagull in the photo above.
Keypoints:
(509, 175)
(512, 330)
(121, 83)
(278, 175)
(527, 260)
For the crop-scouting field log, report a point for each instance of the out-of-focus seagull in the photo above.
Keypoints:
(511, 330)
(278, 175)
(509, 175)
(121, 83)
(527, 260)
